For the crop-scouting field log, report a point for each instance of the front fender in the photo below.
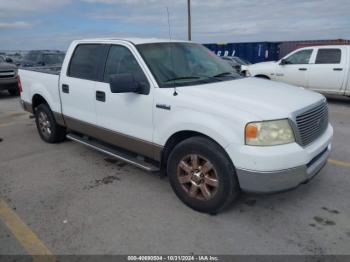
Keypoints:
(220, 129)
(260, 69)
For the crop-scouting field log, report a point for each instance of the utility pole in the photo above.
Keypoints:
(189, 20)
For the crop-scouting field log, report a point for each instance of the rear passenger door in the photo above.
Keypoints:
(77, 85)
(327, 71)
(126, 118)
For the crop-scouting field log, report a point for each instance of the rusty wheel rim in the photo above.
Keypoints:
(198, 177)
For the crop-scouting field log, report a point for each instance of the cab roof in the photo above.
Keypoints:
(135, 41)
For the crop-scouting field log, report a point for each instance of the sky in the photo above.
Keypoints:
(53, 24)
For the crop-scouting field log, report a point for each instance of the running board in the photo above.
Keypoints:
(113, 153)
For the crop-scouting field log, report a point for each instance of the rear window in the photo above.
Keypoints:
(328, 56)
(86, 61)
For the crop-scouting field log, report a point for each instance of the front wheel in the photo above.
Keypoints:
(202, 175)
(48, 129)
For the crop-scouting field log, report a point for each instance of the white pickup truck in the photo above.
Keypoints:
(176, 107)
(325, 69)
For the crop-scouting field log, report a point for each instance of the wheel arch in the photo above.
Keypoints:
(37, 100)
(262, 76)
(177, 138)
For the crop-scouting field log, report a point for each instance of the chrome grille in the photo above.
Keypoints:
(312, 123)
(7, 74)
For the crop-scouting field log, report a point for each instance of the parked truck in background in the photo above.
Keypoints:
(8, 76)
(39, 58)
(325, 69)
(236, 62)
(178, 108)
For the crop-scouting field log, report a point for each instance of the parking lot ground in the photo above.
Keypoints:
(78, 201)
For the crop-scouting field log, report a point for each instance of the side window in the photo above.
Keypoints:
(328, 56)
(301, 57)
(86, 61)
(121, 61)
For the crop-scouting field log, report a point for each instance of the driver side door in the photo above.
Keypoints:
(295, 69)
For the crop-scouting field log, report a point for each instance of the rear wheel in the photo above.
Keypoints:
(48, 129)
(202, 175)
(13, 92)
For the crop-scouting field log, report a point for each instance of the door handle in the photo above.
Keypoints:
(100, 96)
(65, 88)
(302, 69)
(337, 69)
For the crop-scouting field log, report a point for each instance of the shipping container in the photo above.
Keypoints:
(256, 52)
(253, 52)
(289, 46)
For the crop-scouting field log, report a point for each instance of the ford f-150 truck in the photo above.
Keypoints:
(174, 107)
(325, 69)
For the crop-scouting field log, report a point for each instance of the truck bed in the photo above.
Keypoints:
(42, 81)
(54, 70)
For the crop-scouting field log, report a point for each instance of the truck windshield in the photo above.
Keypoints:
(184, 64)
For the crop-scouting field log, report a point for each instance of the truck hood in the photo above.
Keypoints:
(7, 66)
(258, 98)
(263, 64)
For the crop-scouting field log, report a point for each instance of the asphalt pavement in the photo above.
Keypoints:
(73, 200)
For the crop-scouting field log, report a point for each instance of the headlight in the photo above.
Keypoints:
(269, 133)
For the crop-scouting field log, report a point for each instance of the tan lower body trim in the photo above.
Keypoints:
(58, 116)
(27, 107)
(59, 119)
(129, 143)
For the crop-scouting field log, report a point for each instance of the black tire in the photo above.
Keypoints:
(13, 92)
(227, 189)
(56, 133)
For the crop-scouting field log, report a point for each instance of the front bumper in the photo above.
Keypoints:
(8, 83)
(279, 168)
(276, 181)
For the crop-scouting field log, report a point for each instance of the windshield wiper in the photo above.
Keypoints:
(182, 78)
(223, 74)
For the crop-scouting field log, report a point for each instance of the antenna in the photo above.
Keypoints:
(171, 49)
(167, 10)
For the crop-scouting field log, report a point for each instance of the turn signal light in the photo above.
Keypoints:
(251, 131)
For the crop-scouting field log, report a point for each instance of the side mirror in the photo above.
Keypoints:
(284, 62)
(126, 83)
(9, 60)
